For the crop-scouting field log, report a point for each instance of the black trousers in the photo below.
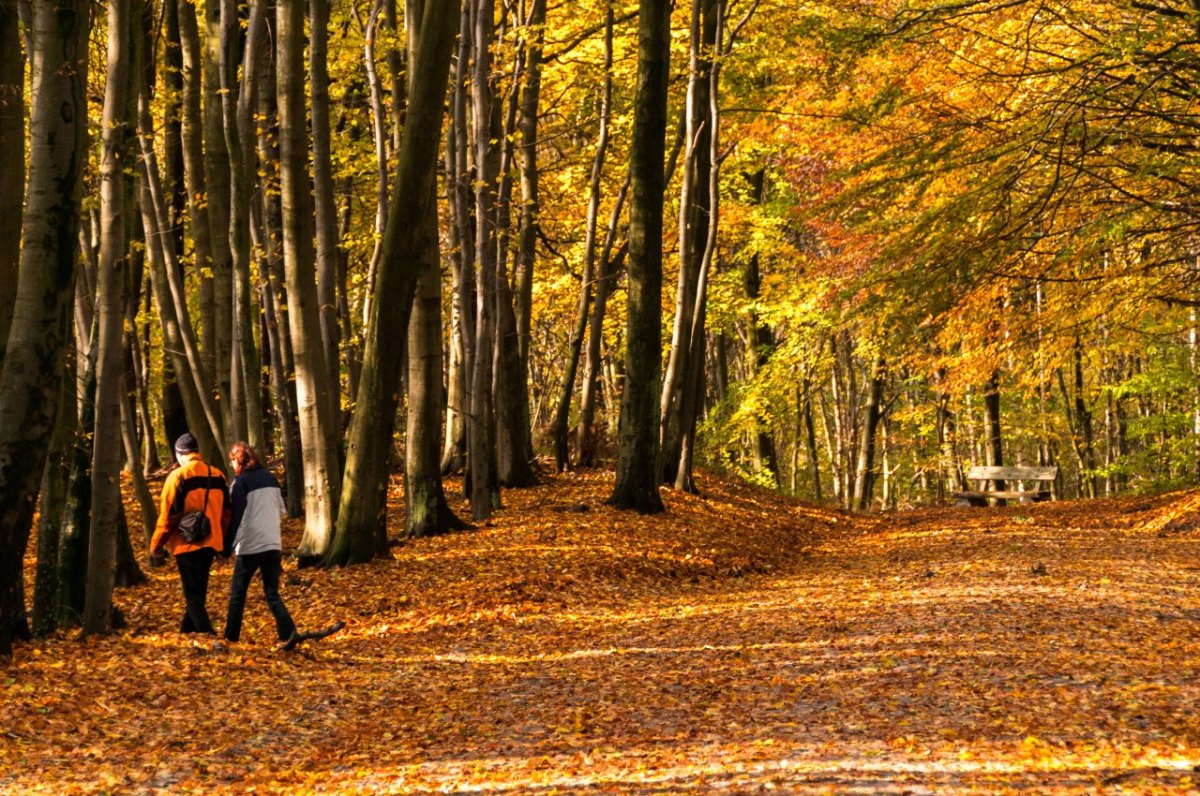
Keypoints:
(270, 564)
(193, 574)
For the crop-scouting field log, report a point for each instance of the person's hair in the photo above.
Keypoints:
(244, 457)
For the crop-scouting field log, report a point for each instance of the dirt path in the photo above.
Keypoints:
(1048, 649)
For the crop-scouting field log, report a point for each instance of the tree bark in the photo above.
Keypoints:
(52, 510)
(328, 256)
(312, 382)
(639, 466)
(196, 181)
(33, 358)
(458, 188)
(694, 223)
(481, 426)
(110, 307)
(610, 267)
(428, 513)
(218, 176)
(238, 100)
(561, 425)
(12, 159)
(364, 497)
(864, 480)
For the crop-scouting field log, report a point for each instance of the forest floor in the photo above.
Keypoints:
(739, 643)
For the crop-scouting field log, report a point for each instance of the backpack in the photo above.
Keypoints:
(195, 526)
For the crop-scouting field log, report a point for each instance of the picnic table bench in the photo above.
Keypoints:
(987, 476)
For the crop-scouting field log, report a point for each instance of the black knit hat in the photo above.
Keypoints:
(186, 444)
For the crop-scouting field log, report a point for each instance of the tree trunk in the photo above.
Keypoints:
(33, 358)
(203, 415)
(458, 189)
(51, 511)
(110, 307)
(12, 159)
(312, 374)
(610, 267)
(561, 426)
(238, 101)
(481, 426)
(864, 480)
(530, 202)
(328, 256)
(192, 141)
(72, 564)
(428, 513)
(364, 497)
(267, 228)
(763, 340)
(639, 468)
(218, 177)
(694, 224)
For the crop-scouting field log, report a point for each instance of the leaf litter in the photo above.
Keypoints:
(741, 642)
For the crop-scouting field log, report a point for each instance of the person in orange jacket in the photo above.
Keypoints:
(193, 486)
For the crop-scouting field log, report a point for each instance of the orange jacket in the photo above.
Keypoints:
(182, 492)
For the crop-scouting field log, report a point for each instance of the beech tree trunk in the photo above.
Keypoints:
(562, 414)
(428, 513)
(481, 437)
(364, 497)
(458, 188)
(610, 268)
(864, 480)
(12, 159)
(639, 468)
(218, 176)
(312, 374)
(192, 141)
(110, 308)
(269, 242)
(328, 256)
(694, 223)
(238, 100)
(32, 369)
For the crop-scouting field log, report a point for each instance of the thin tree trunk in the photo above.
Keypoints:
(382, 150)
(561, 423)
(267, 237)
(458, 188)
(864, 480)
(32, 369)
(328, 256)
(610, 266)
(110, 306)
(694, 223)
(192, 139)
(639, 466)
(481, 439)
(994, 440)
(364, 497)
(238, 102)
(204, 417)
(217, 203)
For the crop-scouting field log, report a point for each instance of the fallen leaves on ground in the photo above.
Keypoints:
(741, 643)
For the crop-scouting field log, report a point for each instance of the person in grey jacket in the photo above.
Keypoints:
(254, 537)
